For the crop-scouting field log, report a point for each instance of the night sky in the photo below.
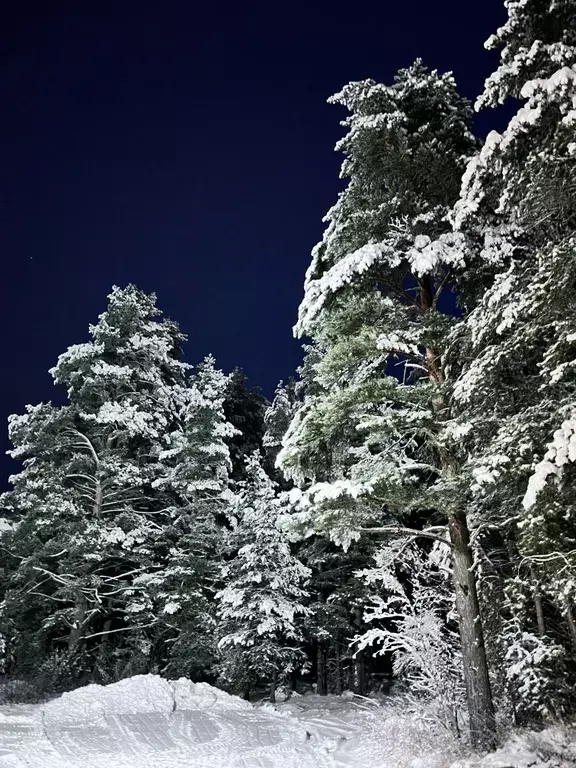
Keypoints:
(187, 147)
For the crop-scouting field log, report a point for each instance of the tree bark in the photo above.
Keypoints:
(338, 681)
(541, 624)
(539, 614)
(98, 498)
(273, 689)
(479, 694)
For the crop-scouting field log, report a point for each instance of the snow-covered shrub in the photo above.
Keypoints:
(536, 675)
(62, 671)
(412, 621)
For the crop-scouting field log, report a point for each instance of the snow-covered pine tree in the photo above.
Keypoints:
(277, 418)
(195, 485)
(89, 509)
(244, 408)
(514, 355)
(262, 604)
(373, 440)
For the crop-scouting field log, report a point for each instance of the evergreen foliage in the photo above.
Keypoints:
(262, 603)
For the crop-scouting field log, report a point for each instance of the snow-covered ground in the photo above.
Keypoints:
(147, 722)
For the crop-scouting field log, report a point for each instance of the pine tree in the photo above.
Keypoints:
(514, 396)
(277, 418)
(244, 408)
(374, 440)
(261, 606)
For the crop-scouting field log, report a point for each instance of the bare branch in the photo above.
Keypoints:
(398, 530)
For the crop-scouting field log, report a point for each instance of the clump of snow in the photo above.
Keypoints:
(560, 451)
(189, 695)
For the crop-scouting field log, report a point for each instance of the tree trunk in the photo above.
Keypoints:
(475, 663)
(321, 670)
(80, 609)
(480, 707)
(359, 669)
(539, 614)
(571, 620)
(98, 498)
(338, 681)
(273, 689)
(291, 684)
(105, 637)
(538, 605)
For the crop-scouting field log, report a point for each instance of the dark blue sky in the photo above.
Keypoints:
(187, 147)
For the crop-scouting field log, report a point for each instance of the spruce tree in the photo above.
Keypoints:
(196, 487)
(261, 606)
(98, 499)
(244, 408)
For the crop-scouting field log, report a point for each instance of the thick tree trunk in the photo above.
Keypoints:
(273, 689)
(480, 706)
(321, 670)
(475, 663)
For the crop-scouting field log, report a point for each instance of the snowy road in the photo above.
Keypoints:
(148, 722)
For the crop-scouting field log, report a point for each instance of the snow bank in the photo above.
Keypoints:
(550, 748)
(148, 722)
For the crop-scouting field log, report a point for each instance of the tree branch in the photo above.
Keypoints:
(399, 530)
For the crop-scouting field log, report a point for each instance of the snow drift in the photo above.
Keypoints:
(148, 722)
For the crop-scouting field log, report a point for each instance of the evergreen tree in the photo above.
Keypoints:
(262, 604)
(374, 440)
(244, 408)
(513, 355)
(101, 494)
(196, 479)
(277, 418)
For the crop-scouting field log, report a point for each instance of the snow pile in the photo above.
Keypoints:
(551, 748)
(148, 722)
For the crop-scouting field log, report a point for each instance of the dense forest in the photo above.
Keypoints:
(404, 507)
